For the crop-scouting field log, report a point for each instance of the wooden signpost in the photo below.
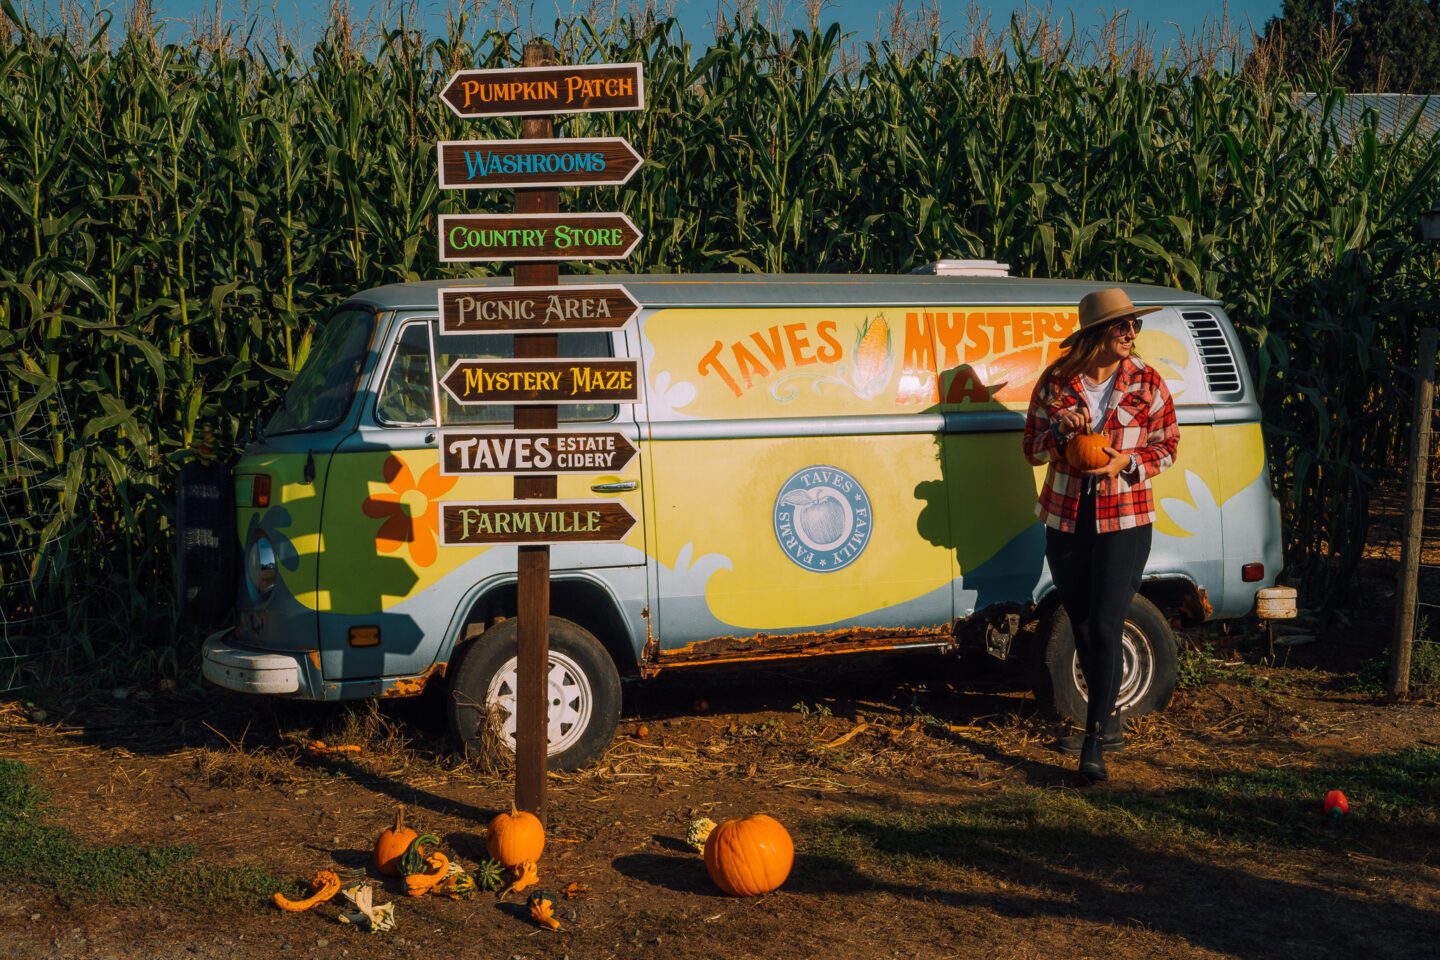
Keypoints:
(543, 381)
(534, 90)
(533, 522)
(571, 309)
(510, 164)
(532, 236)
(535, 309)
(533, 452)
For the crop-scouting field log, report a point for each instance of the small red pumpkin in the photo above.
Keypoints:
(515, 837)
(392, 844)
(750, 856)
(1336, 805)
(1086, 451)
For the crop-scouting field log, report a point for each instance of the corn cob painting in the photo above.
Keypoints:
(870, 368)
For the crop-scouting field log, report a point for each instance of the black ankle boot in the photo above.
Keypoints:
(1092, 755)
(1113, 739)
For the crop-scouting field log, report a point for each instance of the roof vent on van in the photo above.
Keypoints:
(964, 268)
(1221, 372)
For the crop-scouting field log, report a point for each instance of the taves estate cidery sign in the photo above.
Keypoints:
(523, 452)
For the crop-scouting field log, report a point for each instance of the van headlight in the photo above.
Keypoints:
(260, 567)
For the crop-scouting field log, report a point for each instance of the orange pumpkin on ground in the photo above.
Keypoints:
(392, 844)
(1086, 451)
(515, 837)
(749, 857)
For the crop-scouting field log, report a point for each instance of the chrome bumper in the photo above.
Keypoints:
(248, 671)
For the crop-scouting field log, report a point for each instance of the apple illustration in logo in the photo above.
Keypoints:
(820, 516)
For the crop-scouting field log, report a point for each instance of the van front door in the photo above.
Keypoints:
(395, 593)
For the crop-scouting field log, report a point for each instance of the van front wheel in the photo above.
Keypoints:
(582, 683)
(1148, 677)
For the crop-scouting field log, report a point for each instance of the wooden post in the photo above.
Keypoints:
(1407, 593)
(533, 666)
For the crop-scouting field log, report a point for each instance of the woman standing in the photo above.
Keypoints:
(1098, 522)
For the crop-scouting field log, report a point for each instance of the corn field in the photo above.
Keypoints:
(178, 218)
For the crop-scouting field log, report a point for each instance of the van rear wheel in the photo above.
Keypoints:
(582, 683)
(1147, 680)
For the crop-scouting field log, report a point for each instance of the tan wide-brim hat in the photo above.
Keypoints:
(1101, 307)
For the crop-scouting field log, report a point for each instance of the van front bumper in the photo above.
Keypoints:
(248, 671)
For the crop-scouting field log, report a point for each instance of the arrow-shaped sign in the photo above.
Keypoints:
(536, 236)
(527, 91)
(515, 164)
(568, 309)
(524, 452)
(533, 522)
(529, 382)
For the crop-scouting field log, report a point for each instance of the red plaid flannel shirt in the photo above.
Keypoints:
(1140, 421)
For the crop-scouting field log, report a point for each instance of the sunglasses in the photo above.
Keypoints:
(1134, 324)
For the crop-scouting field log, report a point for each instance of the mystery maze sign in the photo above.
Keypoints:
(512, 164)
(569, 309)
(528, 91)
(464, 452)
(533, 522)
(543, 381)
(536, 236)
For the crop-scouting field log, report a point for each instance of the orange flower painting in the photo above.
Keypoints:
(410, 510)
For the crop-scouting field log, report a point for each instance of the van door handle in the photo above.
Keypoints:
(618, 487)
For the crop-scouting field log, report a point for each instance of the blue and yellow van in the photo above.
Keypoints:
(828, 464)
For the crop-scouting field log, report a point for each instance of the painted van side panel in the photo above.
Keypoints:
(384, 565)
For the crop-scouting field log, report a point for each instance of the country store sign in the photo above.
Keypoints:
(536, 236)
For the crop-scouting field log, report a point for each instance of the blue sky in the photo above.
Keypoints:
(1164, 20)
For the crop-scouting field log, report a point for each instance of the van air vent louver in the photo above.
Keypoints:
(1221, 372)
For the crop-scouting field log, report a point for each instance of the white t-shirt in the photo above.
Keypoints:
(1097, 397)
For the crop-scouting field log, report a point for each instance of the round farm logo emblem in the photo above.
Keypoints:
(822, 519)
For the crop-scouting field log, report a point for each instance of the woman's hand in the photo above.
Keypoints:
(1070, 420)
(1119, 463)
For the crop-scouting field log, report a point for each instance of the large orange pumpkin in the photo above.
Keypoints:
(749, 857)
(1086, 451)
(515, 837)
(392, 843)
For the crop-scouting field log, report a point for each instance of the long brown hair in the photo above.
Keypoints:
(1078, 357)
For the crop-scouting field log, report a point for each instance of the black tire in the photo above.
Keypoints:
(206, 552)
(591, 693)
(1148, 680)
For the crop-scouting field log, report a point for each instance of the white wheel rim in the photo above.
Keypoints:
(1136, 676)
(570, 701)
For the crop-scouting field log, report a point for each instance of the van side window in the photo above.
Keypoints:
(405, 397)
(501, 346)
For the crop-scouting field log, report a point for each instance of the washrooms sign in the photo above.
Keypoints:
(515, 164)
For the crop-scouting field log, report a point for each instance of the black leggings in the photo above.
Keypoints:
(1097, 575)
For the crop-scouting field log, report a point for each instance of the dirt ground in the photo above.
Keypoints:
(228, 775)
(930, 816)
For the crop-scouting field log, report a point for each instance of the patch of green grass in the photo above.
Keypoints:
(35, 853)
(1394, 800)
(1193, 666)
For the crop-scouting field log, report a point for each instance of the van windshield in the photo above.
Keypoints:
(320, 396)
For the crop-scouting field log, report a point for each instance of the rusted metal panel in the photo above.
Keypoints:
(731, 649)
(413, 686)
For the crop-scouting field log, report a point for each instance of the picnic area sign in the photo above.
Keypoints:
(531, 91)
(563, 309)
(516, 164)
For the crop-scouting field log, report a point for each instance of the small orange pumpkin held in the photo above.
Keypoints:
(750, 856)
(1086, 451)
(515, 837)
(392, 844)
